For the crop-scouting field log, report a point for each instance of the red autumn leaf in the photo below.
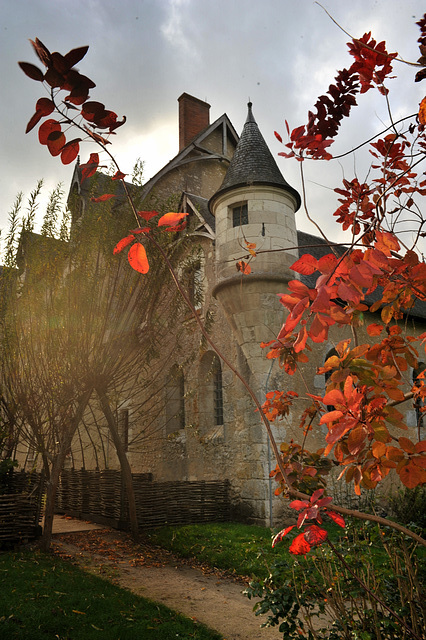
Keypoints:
(48, 127)
(281, 535)
(147, 215)
(318, 330)
(138, 259)
(315, 536)
(105, 196)
(171, 219)
(92, 110)
(55, 142)
(42, 52)
(124, 242)
(140, 230)
(75, 55)
(300, 342)
(331, 416)
(411, 475)
(118, 176)
(35, 119)
(32, 71)
(420, 447)
(88, 169)
(406, 445)
(178, 227)
(45, 106)
(243, 267)
(374, 329)
(306, 265)
(299, 504)
(300, 546)
(278, 137)
(70, 151)
(337, 518)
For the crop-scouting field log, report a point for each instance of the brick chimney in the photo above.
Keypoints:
(194, 117)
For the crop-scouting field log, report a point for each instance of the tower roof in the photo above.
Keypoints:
(253, 163)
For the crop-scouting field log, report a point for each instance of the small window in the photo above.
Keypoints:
(210, 392)
(239, 215)
(175, 400)
(195, 276)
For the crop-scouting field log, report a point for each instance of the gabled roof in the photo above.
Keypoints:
(200, 208)
(253, 163)
(195, 151)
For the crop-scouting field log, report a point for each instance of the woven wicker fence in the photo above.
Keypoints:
(20, 507)
(100, 496)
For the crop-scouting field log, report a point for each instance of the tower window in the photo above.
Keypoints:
(239, 214)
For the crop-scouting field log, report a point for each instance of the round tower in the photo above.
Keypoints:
(254, 204)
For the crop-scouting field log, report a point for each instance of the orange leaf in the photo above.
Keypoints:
(406, 445)
(137, 258)
(124, 242)
(374, 329)
(306, 265)
(243, 267)
(420, 447)
(422, 112)
(171, 219)
(411, 475)
(378, 449)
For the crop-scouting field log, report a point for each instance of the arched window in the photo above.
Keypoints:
(418, 404)
(175, 400)
(211, 392)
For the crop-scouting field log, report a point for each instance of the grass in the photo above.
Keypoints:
(246, 550)
(44, 597)
(239, 548)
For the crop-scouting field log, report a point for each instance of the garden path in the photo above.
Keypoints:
(205, 595)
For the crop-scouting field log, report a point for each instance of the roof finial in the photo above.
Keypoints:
(250, 117)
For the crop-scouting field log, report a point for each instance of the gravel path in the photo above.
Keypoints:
(210, 597)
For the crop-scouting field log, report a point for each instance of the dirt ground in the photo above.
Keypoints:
(205, 595)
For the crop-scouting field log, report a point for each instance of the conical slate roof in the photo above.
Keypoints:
(253, 163)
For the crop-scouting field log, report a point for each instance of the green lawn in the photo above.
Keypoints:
(44, 598)
(242, 549)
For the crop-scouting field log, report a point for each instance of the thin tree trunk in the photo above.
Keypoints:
(58, 464)
(125, 467)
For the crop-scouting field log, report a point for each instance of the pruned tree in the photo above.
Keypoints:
(72, 338)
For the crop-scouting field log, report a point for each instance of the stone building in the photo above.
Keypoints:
(206, 426)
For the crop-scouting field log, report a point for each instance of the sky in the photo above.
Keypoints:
(143, 54)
